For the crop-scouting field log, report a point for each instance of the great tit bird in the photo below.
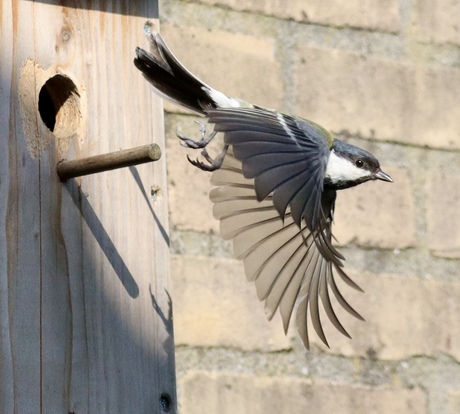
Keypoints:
(276, 183)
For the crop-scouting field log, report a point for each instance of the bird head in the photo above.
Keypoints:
(349, 166)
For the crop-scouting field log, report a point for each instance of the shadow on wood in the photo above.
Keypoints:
(103, 239)
(138, 180)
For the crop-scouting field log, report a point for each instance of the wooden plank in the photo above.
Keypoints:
(85, 306)
(21, 224)
(6, 356)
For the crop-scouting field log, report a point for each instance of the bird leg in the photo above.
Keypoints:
(214, 163)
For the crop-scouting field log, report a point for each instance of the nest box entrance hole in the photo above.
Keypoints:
(59, 105)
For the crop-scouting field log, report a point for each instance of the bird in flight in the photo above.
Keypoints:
(276, 182)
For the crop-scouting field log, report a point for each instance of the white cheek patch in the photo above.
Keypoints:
(341, 169)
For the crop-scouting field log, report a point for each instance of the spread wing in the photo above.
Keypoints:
(285, 155)
(291, 264)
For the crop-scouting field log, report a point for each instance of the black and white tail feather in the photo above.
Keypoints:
(270, 194)
(176, 83)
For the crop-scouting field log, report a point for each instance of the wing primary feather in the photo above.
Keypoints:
(252, 210)
(287, 300)
(314, 302)
(342, 300)
(260, 242)
(302, 321)
(347, 279)
(248, 227)
(326, 301)
(275, 279)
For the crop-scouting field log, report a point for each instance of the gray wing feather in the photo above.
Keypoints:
(283, 154)
(286, 262)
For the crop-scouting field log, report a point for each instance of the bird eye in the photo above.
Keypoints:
(359, 163)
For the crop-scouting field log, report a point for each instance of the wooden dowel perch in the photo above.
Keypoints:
(105, 162)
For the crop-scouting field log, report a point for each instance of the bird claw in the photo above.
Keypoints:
(196, 144)
(214, 163)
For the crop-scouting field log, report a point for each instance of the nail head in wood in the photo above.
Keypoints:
(105, 162)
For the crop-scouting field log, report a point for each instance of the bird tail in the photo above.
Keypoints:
(173, 81)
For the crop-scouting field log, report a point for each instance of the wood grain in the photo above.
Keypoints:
(85, 310)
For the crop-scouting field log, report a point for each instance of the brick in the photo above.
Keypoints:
(188, 187)
(230, 393)
(374, 97)
(215, 306)
(367, 14)
(406, 316)
(443, 217)
(437, 22)
(372, 214)
(238, 65)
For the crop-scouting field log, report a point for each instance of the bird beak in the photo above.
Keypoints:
(380, 175)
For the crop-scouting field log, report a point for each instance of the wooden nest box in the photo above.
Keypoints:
(85, 313)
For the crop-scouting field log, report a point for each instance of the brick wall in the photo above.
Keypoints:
(384, 75)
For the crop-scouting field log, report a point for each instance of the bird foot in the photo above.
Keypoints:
(214, 163)
(195, 144)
